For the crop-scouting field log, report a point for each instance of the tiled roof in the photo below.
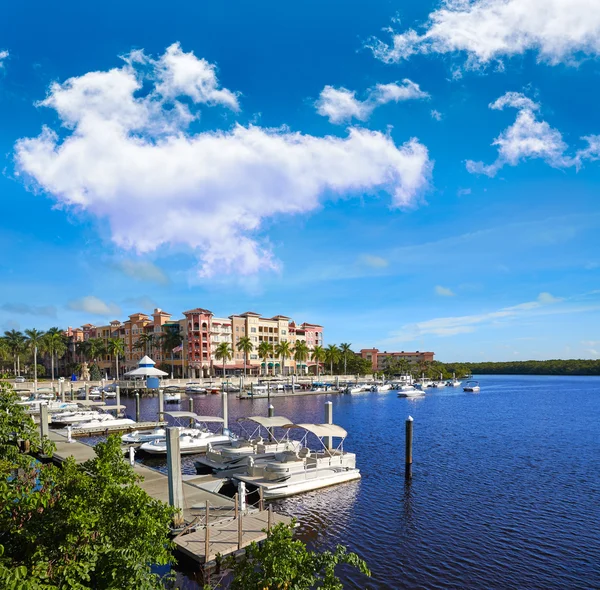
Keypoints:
(198, 310)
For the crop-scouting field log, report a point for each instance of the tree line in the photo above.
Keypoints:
(550, 367)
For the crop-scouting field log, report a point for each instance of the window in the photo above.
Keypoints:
(253, 330)
(283, 332)
(253, 357)
(237, 328)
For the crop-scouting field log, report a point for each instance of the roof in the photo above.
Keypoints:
(146, 360)
(146, 372)
(273, 422)
(181, 414)
(249, 313)
(321, 430)
(280, 317)
(198, 310)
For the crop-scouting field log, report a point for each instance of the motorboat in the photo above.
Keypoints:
(193, 387)
(355, 389)
(33, 405)
(261, 444)
(440, 383)
(172, 397)
(45, 393)
(381, 387)
(103, 420)
(294, 472)
(191, 440)
(454, 382)
(74, 417)
(409, 391)
(93, 393)
(472, 386)
(137, 437)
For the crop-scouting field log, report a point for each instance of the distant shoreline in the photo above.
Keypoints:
(564, 368)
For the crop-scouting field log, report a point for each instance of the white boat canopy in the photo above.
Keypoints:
(321, 430)
(146, 368)
(181, 414)
(265, 422)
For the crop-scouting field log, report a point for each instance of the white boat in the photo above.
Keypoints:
(192, 387)
(137, 437)
(454, 382)
(45, 393)
(103, 420)
(74, 417)
(261, 444)
(191, 440)
(93, 393)
(355, 389)
(381, 387)
(172, 397)
(294, 472)
(409, 391)
(472, 386)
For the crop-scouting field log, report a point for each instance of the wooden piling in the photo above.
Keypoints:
(207, 534)
(118, 394)
(269, 518)
(43, 421)
(137, 406)
(409, 445)
(225, 408)
(175, 481)
(328, 440)
(161, 405)
(240, 531)
(261, 500)
(87, 392)
(271, 413)
(237, 508)
(72, 392)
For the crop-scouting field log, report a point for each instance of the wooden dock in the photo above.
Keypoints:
(226, 530)
(274, 395)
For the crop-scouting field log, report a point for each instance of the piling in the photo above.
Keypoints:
(269, 518)
(137, 406)
(174, 474)
(224, 405)
(271, 414)
(337, 382)
(161, 405)
(409, 445)
(206, 533)
(43, 421)
(118, 394)
(103, 393)
(242, 495)
(72, 393)
(328, 420)
(61, 391)
(132, 456)
(87, 392)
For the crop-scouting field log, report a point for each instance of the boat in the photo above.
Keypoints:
(381, 387)
(454, 382)
(295, 472)
(74, 417)
(33, 405)
(172, 397)
(137, 437)
(93, 393)
(472, 386)
(193, 387)
(355, 389)
(191, 440)
(103, 420)
(409, 391)
(45, 393)
(261, 445)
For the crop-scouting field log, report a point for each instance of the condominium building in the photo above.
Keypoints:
(380, 360)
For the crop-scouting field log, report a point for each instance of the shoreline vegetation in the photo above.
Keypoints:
(549, 367)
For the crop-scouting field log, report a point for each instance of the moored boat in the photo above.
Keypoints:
(472, 386)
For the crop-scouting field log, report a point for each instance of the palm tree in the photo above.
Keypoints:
(83, 349)
(318, 355)
(224, 353)
(283, 350)
(345, 350)
(332, 355)
(245, 345)
(54, 344)
(301, 352)
(265, 350)
(144, 342)
(170, 340)
(15, 341)
(34, 341)
(116, 348)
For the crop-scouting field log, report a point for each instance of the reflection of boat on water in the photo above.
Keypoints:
(294, 472)
(472, 386)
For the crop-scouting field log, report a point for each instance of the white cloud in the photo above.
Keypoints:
(559, 31)
(436, 115)
(3, 56)
(547, 298)
(129, 159)
(340, 105)
(444, 291)
(94, 306)
(463, 191)
(526, 138)
(143, 270)
(373, 261)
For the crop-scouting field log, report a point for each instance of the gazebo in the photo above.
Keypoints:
(146, 368)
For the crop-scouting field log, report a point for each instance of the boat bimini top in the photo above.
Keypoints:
(181, 414)
(268, 423)
(322, 431)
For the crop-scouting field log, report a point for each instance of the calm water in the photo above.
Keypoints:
(505, 490)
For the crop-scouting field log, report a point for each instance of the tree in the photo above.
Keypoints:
(78, 526)
(284, 562)
(332, 355)
(318, 356)
(54, 344)
(245, 345)
(283, 350)
(265, 350)
(83, 349)
(144, 342)
(171, 339)
(15, 341)
(34, 342)
(224, 353)
(345, 350)
(301, 352)
(116, 348)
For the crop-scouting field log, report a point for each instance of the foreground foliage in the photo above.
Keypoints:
(78, 527)
(284, 563)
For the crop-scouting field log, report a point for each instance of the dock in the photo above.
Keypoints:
(247, 395)
(215, 522)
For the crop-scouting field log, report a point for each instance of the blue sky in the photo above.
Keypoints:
(409, 175)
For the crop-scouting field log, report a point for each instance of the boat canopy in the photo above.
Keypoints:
(194, 416)
(89, 402)
(321, 430)
(273, 422)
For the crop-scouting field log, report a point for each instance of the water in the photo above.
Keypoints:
(505, 490)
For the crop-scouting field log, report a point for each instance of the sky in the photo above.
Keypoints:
(411, 176)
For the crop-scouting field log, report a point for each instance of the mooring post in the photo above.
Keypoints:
(251, 388)
(206, 535)
(174, 474)
(235, 501)
(72, 393)
(61, 391)
(87, 392)
(132, 456)
(328, 420)
(242, 495)
(137, 406)
(103, 394)
(337, 382)
(409, 444)
(161, 405)
(225, 407)
(43, 421)
(271, 414)
(240, 530)
(269, 518)
(118, 397)
(69, 434)
(261, 500)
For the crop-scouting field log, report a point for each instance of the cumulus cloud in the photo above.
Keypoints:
(373, 261)
(94, 306)
(528, 137)
(129, 158)
(436, 115)
(340, 105)
(24, 308)
(143, 270)
(444, 291)
(3, 56)
(559, 31)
